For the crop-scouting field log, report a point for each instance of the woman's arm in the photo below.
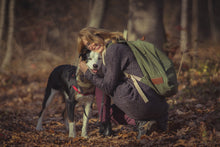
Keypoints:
(115, 61)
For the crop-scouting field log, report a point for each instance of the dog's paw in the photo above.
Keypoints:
(84, 133)
(39, 128)
(72, 135)
(85, 136)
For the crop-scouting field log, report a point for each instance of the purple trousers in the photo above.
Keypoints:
(111, 112)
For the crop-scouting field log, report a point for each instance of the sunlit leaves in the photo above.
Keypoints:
(194, 115)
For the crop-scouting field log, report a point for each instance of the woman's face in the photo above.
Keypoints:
(93, 46)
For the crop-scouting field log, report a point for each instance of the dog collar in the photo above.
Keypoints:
(77, 90)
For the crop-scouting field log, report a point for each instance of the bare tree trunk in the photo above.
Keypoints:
(42, 8)
(146, 19)
(194, 32)
(96, 14)
(183, 33)
(172, 14)
(212, 21)
(8, 54)
(2, 19)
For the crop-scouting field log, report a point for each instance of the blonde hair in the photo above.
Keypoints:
(99, 36)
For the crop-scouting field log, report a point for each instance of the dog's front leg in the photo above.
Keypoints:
(86, 116)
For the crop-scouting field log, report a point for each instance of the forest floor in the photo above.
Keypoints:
(194, 114)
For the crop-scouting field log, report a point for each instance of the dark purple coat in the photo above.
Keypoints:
(118, 59)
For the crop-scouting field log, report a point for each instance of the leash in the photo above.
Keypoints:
(85, 111)
(77, 90)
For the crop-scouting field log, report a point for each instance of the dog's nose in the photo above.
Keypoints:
(95, 65)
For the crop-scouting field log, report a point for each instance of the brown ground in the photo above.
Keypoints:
(194, 115)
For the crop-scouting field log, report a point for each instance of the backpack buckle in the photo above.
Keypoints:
(128, 76)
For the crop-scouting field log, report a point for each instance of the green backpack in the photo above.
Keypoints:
(158, 70)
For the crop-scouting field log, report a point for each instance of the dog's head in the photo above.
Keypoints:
(93, 60)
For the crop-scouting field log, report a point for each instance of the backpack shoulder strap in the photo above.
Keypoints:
(135, 79)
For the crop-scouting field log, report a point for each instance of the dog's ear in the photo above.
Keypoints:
(83, 53)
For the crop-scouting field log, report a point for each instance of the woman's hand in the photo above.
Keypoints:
(82, 66)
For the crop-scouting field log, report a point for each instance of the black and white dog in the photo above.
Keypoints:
(70, 81)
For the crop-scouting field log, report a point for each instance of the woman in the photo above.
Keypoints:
(117, 59)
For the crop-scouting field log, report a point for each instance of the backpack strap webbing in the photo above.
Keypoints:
(135, 79)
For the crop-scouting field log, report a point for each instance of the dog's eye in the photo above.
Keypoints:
(89, 58)
(100, 58)
(87, 44)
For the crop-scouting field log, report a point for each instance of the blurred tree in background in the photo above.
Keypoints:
(9, 50)
(96, 11)
(146, 19)
(44, 28)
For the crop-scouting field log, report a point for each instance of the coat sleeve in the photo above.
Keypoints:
(115, 61)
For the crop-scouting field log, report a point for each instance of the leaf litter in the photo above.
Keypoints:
(194, 117)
